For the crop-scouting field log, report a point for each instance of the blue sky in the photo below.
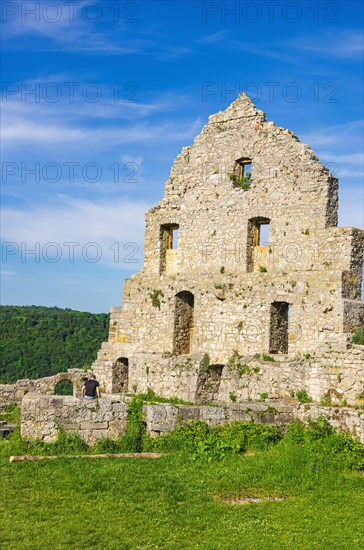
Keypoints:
(98, 98)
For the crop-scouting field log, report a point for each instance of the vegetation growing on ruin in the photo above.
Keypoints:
(267, 357)
(156, 296)
(11, 414)
(236, 362)
(206, 362)
(242, 183)
(40, 341)
(358, 338)
(303, 396)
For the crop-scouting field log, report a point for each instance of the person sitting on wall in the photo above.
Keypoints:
(91, 388)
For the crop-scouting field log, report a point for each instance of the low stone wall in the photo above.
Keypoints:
(15, 392)
(91, 419)
(163, 418)
(107, 417)
(336, 377)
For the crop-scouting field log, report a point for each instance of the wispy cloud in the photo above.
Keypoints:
(7, 273)
(74, 31)
(47, 134)
(213, 38)
(349, 165)
(71, 30)
(77, 221)
(272, 50)
(351, 207)
(336, 134)
(345, 44)
(82, 124)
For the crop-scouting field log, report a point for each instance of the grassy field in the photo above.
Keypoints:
(187, 500)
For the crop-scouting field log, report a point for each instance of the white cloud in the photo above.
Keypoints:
(213, 38)
(78, 221)
(72, 28)
(76, 32)
(24, 123)
(7, 273)
(351, 207)
(32, 132)
(336, 135)
(130, 158)
(346, 45)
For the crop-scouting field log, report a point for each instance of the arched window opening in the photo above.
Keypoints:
(183, 323)
(120, 375)
(64, 387)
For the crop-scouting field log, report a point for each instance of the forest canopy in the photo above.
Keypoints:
(40, 341)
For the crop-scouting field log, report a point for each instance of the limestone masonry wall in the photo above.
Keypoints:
(15, 392)
(261, 269)
(162, 418)
(248, 286)
(107, 417)
(42, 415)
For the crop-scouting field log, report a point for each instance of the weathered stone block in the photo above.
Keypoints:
(188, 413)
(213, 415)
(94, 425)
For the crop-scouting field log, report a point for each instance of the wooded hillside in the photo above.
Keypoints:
(40, 341)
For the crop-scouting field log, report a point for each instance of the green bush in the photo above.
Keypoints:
(358, 338)
(11, 414)
(242, 183)
(215, 442)
(303, 396)
(324, 445)
(64, 444)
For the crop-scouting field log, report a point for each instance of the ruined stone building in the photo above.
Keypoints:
(248, 286)
(249, 291)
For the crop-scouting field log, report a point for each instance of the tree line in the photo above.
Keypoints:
(41, 341)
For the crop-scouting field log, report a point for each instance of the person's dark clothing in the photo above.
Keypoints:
(91, 386)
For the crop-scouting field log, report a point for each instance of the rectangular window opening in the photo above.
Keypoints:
(170, 236)
(243, 168)
(264, 234)
(279, 323)
(175, 238)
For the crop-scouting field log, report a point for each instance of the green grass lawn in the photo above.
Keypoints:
(188, 498)
(177, 502)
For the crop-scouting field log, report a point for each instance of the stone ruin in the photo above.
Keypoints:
(249, 289)
(248, 286)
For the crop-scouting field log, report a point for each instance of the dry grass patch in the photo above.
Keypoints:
(250, 500)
